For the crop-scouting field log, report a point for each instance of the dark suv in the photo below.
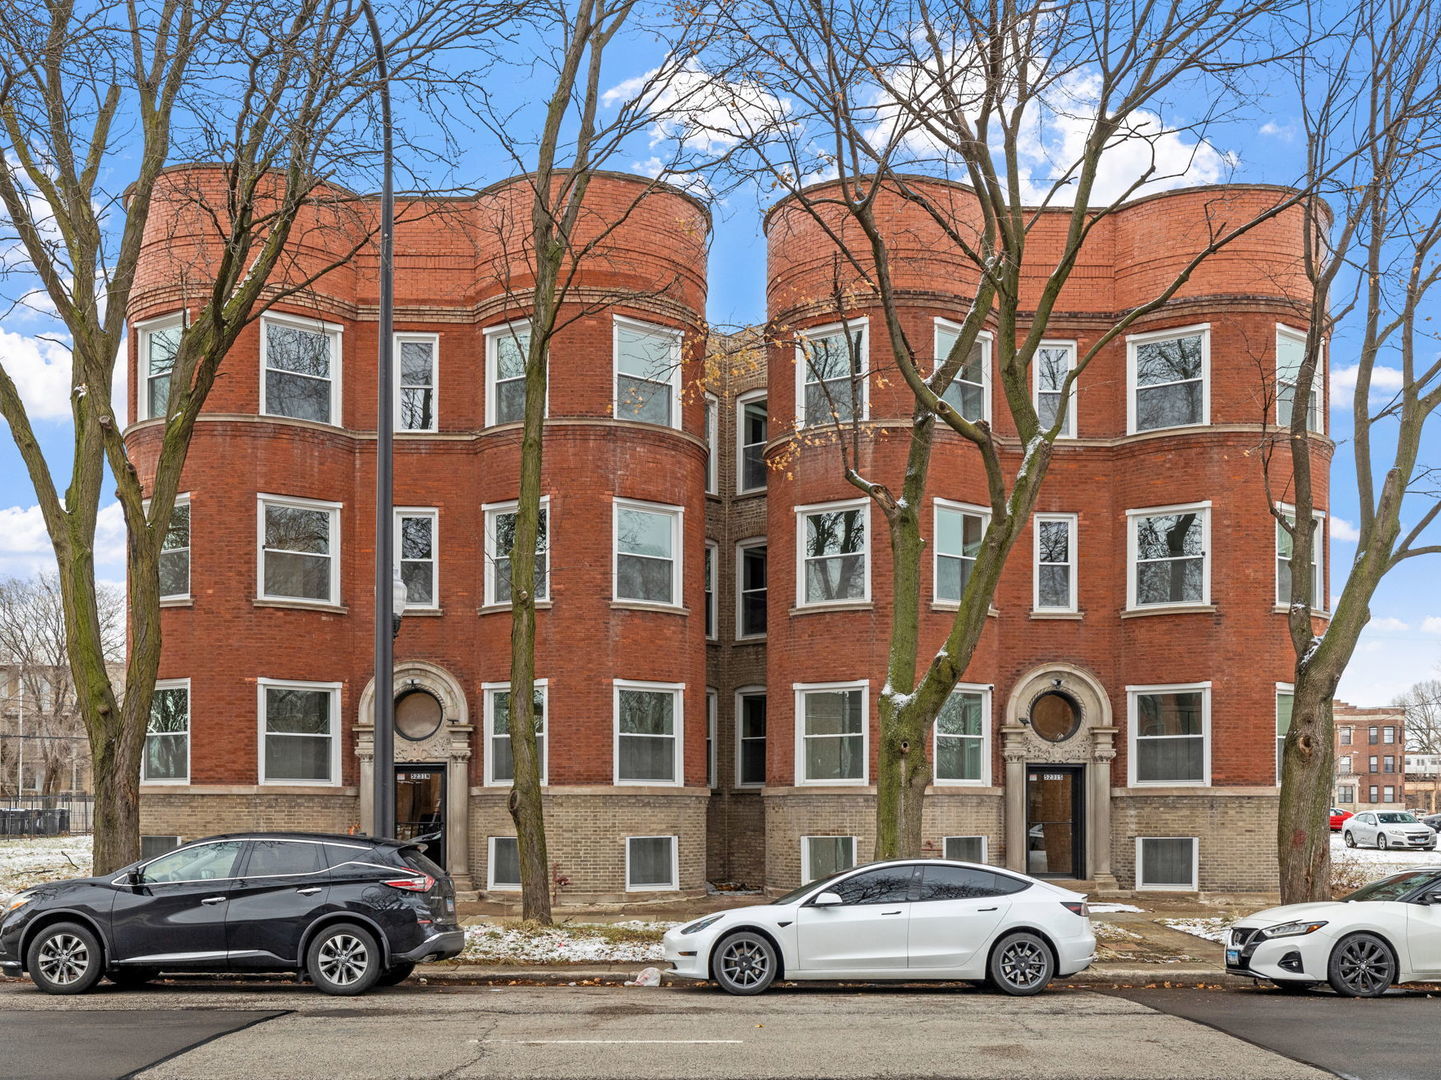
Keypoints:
(348, 911)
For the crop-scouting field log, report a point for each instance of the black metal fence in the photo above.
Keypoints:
(46, 815)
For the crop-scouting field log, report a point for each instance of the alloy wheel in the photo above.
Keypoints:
(64, 959)
(1382, 842)
(744, 963)
(1350, 840)
(1022, 964)
(1362, 967)
(343, 959)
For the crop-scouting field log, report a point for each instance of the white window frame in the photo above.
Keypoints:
(984, 690)
(1195, 866)
(1134, 692)
(1134, 340)
(985, 859)
(939, 505)
(1320, 593)
(334, 689)
(489, 512)
(712, 442)
(433, 340)
(492, 367)
(263, 500)
(433, 514)
(860, 325)
(1132, 551)
(1388, 735)
(1286, 688)
(743, 692)
(334, 332)
(750, 397)
(488, 692)
(672, 377)
(678, 762)
(800, 690)
(171, 684)
(741, 547)
(1068, 429)
(143, 330)
(986, 340)
(801, 512)
(806, 878)
(674, 885)
(1318, 394)
(677, 584)
(710, 581)
(1073, 536)
(182, 499)
(712, 734)
(491, 885)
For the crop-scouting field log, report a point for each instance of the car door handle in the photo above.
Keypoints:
(309, 890)
(892, 913)
(213, 900)
(987, 909)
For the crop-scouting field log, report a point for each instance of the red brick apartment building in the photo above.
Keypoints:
(714, 628)
(1370, 757)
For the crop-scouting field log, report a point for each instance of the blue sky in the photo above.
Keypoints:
(1402, 644)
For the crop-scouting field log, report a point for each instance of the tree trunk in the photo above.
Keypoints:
(1302, 837)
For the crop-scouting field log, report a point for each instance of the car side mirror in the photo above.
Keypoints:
(134, 877)
(827, 899)
(1433, 898)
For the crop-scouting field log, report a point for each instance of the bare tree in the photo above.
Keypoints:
(1372, 113)
(1422, 702)
(95, 101)
(874, 103)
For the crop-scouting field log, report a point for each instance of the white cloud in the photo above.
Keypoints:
(1385, 381)
(25, 547)
(40, 368)
(1271, 129)
(1431, 624)
(699, 112)
(1343, 531)
(1388, 622)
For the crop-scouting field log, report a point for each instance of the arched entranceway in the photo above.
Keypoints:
(1058, 742)
(432, 758)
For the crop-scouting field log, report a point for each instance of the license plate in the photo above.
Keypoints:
(1233, 957)
(450, 905)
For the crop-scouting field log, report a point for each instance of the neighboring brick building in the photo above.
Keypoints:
(1370, 757)
(1124, 701)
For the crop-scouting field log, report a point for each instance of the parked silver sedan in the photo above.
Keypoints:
(1388, 829)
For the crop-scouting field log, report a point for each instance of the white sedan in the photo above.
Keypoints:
(925, 919)
(1388, 829)
(1387, 932)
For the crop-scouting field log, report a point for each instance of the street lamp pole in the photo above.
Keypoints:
(384, 768)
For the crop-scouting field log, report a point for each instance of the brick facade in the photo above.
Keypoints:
(1361, 742)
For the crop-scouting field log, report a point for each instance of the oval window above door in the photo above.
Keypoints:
(1055, 716)
(417, 715)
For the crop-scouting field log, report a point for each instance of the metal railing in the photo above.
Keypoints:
(46, 815)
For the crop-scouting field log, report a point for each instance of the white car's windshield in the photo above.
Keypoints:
(1397, 819)
(795, 894)
(1393, 887)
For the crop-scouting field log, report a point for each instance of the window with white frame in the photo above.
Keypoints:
(1388, 794)
(959, 531)
(822, 856)
(1388, 734)
(712, 723)
(299, 550)
(648, 552)
(1285, 699)
(710, 605)
(964, 848)
(712, 444)
(1375, 794)
(300, 369)
(1344, 765)
(647, 372)
(1055, 563)
(961, 737)
(500, 542)
(159, 342)
(648, 732)
(1346, 793)
(503, 865)
(1052, 363)
(831, 736)
(1166, 862)
(831, 374)
(506, 349)
(751, 588)
(752, 431)
(834, 553)
(1170, 734)
(174, 561)
(970, 391)
(751, 737)
(415, 547)
(167, 734)
(417, 381)
(1170, 548)
(500, 758)
(1290, 353)
(299, 729)
(1285, 548)
(1168, 376)
(651, 863)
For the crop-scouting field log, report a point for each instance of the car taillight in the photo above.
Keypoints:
(424, 883)
(1077, 908)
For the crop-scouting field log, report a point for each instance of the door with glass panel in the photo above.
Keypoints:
(420, 807)
(1054, 821)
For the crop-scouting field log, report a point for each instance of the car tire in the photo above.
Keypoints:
(1361, 965)
(343, 960)
(744, 963)
(128, 978)
(65, 958)
(1021, 964)
(1381, 842)
(1350, 840)
(393, 976)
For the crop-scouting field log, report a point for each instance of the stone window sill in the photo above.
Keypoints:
(305, 605)
(641, 605)
(492, 609)
(423, 613)
(177, 601)
(947, 605)
(1169, 609)
(1075, 616)
(821, 609)
(1285, 609)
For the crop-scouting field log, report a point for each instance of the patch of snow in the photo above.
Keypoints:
(1380, 863)
(1104, 908)
(24, 863)
(1212, 929)
(1105, 931)
(574, 943)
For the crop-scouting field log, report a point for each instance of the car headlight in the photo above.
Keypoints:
(20, 899)
(701, 924)
(1292, 929)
